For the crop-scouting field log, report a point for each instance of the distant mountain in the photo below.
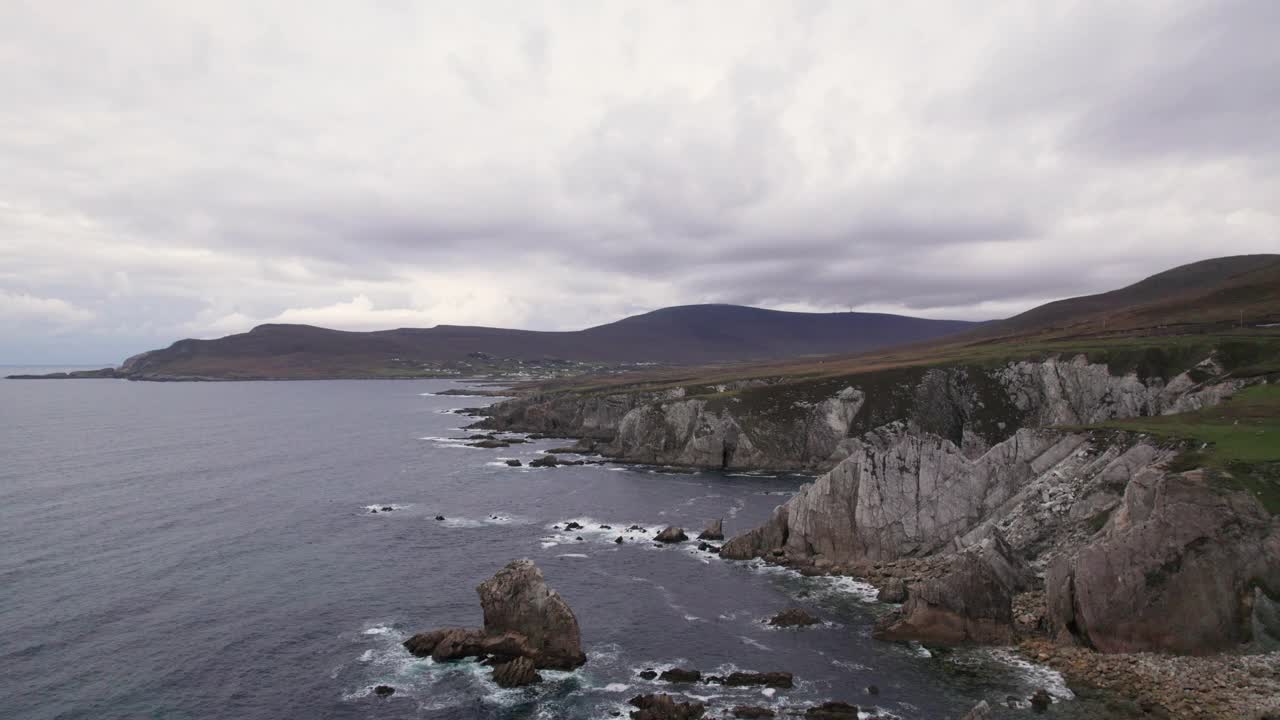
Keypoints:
(691, 334)
(1217, 292)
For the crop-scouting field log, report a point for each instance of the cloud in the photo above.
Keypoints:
(556, 166)
(19, 309)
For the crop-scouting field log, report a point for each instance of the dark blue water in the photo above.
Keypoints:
(207, 551)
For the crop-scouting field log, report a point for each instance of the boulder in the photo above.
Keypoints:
(1175, 570)
(671, 535)
(439, 517)
(514, 463)
(572, 526)
(981, 711)
(648, 674)
(544, 461)
(764, 679)
(894, 590)
(384, 691)
(793, 617)
(752, 711)
(489, 444)
(618, 540)
(713, 531)
(969, 601)
(1041, 700)
(664, 707)
(517, 599)
(680, 675)
(516, 673)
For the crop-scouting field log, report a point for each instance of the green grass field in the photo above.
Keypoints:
(1238, 440)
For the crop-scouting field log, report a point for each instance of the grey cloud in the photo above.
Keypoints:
(555, 166)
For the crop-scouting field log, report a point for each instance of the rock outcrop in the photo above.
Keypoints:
(971, 601)
(671, 535)
(806, 425)
(1177, 569)
(527, 626)
(713, 531)
(517, 600)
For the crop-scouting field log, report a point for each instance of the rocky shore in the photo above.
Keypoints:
(968, 496)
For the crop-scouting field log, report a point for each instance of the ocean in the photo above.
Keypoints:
(209, 550)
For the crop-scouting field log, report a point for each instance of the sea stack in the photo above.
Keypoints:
(527, 627)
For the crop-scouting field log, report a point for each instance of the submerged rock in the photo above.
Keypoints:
(713, 531)
(662, 706)
(384, 691)
(832, 710)
(752, 711)
(793, 617)
(671, 535)
(680, 675)
(981, 711)
(765, 679)
(1041, 700)
(514, 463)
(490, 444)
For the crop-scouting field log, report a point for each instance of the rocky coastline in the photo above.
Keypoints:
(976, 499)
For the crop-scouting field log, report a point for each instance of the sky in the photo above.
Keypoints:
(193, 169)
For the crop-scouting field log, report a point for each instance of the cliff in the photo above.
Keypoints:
(991, 477)
(785, 424)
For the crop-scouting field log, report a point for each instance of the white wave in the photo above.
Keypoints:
(753, 643)
(1036, 675)
(616, 687)
(366, 656)
(378, 630)
(492, 519)
(573, 555)
(692, 618)
(393, 506)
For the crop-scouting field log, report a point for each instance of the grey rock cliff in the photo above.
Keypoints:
(973, 407)
(1176, 570)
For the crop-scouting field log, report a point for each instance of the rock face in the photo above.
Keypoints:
(800, 427)
(906, 495)
(527, 626)
(970, 602)
(713, 531)
(1176, 570)
(518, 600)
(516, 673)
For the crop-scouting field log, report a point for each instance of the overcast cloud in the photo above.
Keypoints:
(191, 169)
